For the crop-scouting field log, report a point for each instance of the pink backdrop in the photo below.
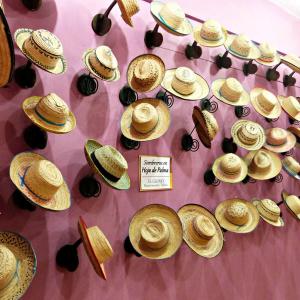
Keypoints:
(260, 265)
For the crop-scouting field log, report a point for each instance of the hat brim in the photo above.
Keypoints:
(286, 109)
(288, 145)
(289, 171)
(27, 264)
(124, 12)
(201, 126)
(201, 87)
(206, 248)
(251, 224)
(296, 132)
(277, 60)
(21, 35)
(289, 205)
(174, 225)
(285, 60)
(18, 166)
(207, 43)
(29, 106)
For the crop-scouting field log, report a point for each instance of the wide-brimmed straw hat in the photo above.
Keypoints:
(230, 91)
(296, 132)
(171, 17)
(128, 9)
(248, 134)
(263, 164)
(291, 106)
(185, 84)
(145, 72)
(279, 140)
(50, 113)
(18, 265)
(292, 203)
(96, 246)
(201, 231)
(237, 215)
(265, 103)
(268, 55)
(155, 231)
(43, 48)
(102, 63)
(292, 61)
(291, 166)
(40, 181)
(145, 119)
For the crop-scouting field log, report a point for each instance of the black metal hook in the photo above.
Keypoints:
(193, 51)
(22, 202)
(277, 179)
(153, 38)
(241, 111)
(228, 145)
(223, 61)
(249, 68)
(35, 137)
(89, 187)
(207, 104)
(210, 178)
(87, 85)
(271, 120)
(129, 248)
(293, 122)
(272, 74)
(127, 95)
(165, 97)
(248, 179)
(289, 80)
(129, 144)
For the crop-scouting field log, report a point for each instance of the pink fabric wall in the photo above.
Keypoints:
(260, 265)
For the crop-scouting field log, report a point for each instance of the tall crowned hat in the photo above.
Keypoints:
(268, 55)
(291, 106)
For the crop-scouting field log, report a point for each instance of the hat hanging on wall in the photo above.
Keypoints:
(291, 166)
(292, 203)
(279, 140)
(291, 106)
(268, 55)
(292, 61)
(296, 132)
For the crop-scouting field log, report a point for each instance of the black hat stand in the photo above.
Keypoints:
(129, 248)
(223, 61)
(289, 80)
(89, 187)
(35, 137)
(188, 143)
(210, 178)
(127, 95)
(272, 74)
(242, 111)
(87, 85)
(249, 68)
(193, 51)
(153, 38)
(229, 146)
(207, 104)
(32, 4)
(25, 75)
(22, 202)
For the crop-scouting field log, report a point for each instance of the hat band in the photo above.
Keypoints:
(237, 52)
(267, 58)
(211, 40)
(15, 274)
(47, 121)
(226, 97)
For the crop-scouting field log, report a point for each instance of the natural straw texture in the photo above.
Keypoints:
(291, 166)
(279, 140)
(291, 106)
(128, 9)
(268, 55)
(292, 61)
(292, 203)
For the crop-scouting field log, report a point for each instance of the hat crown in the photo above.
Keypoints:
(184, 80)
(237, 213)
(276, 136)
(241, 44)
(211, 30)
(266, 50)
(248, 133)
(292, 164)
(230, 164)
(231, 89)
(204, 227)
(266, 100)
(293, 104)
(271, 206)
(185, 74)
(261, 161)
(146, 72)
(172, 14)
(8, 266)
(211, 124)
(106, 57)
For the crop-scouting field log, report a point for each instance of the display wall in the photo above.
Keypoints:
(260, 265)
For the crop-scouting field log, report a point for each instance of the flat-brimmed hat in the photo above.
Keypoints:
(145, 119)
(248, 134)
(230, 91)
(265, 103)
(145, 72)
(268, 55)
(185, 84)
(50, 113)
(171, 18)
(291, 166)
(102, 63)
(279, 140)
(292, 61)
(291, 106)
(108, 163)
(18, 265)
(296, 132)
(155, 231)
(40, 181)
(128, 9)
(292, 203)
(96, 246)
(237, 215)
(43, 48)
(263, 164)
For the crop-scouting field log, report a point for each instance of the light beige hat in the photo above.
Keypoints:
(102, 63)
(201, 231)
(40, 181)
(128, 9)
(17, 265)
(248, 134)
(265, 103)
(268, 55)
(263, 164)
(50, 113)
(292, 61)
(145, 72)
(296, 132)
(43, 48)
(185, 84)
(230, 91)
(237, 215)
(291, 166)
(145, 119)
(155, 231)
(279, 140)
(292, 203)
(210, 34)
(171, 17)
(291, 106)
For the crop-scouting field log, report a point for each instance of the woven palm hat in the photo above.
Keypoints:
(268, 55)
(201, 231)
(145, 72)
(128, 9)
(291, 166)
(296, 132)
(155, 231)
(96, 246)
(171, 18)
(279, 140)
(291, 106)
(230, 91)
(292, 61)
(185, 84)
(237, 215)
(43, 48)
(17, 265)
(50, 113)
(265, 103)
(292, 203)
(40, 181)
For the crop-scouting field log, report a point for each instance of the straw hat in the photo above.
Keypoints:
(291, 166)
(230, 91)
(206, 125)
(263, 164)
(102, 63)
(108, 163)
(145, 119)
(292, 61)
(268, 55)
(237, 215)
(17, 265)
(50, 113)
(248, 134)
(43, 48)
(292, 203)
(40, 181)
(185, 84)
(296, 132)
(291, 106)
(279, 140)
(242, 47)
(155, 231)
(269, 211)
(145, 72)
(201, 231)
(96, 246)
(265, 103)
(128, 9)
(171, 17)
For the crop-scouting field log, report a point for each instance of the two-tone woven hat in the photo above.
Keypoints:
(292, 61)
(279, 140)
(17, 265)
(291, 166)
(291, 106)
(128, 9)
(40, 181)
(292, 203)
(268, 55)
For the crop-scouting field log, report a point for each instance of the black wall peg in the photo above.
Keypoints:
(277, 179)
(129, 144)
(165, 97)
(248, 179)
(188, 143)
(32, 4)
(289, 80)
(35, 137)
(153, 38)
(273, 74)
(129, 248)
(223, 61)
(228, 146)
(22, 202)
(87, 85)
(207, 104)
(127, 95)
(89, 187)
(241, 111)
(249, 68)
(193, 51)
(25, 76)
(210, 178)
